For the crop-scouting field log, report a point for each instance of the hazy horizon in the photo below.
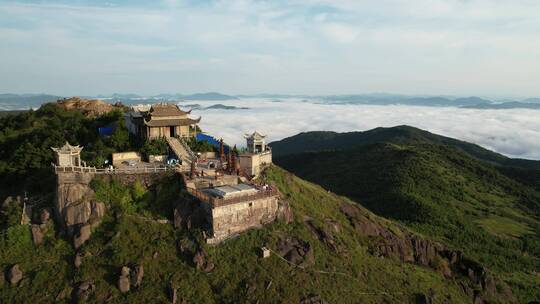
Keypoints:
(262, 94)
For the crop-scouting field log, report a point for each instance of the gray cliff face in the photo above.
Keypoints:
(76, 209)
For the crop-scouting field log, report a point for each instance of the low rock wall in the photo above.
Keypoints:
(233, 219)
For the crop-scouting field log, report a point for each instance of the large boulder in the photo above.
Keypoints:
(14, 274)
(44, 216)
(123, 280)
(297, 252)
(98, 211)
(137, 275)
(186, 215)
(83, 291)
(37, 234)
(78, 213)
(74, 200)
(81, 236)
(325, 235)
(72, 189)
(284, 212)
(201, 261)
(123, 284)
(77, 261)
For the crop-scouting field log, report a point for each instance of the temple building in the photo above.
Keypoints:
(161, 120)
(257, 156)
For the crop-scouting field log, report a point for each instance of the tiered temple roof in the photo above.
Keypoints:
(167, 110)
(162, 115)
(171, 122)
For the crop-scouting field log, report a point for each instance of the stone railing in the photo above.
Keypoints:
(219, 202)
(125, 170)
(188, 149)
(181, 149)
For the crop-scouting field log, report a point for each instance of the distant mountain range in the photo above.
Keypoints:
(437, 101)
(25, 101)
(218, 106)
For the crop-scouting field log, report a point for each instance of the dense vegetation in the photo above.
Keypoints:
(155, 147)
(26, 140)
(200, 145)
(443, 192)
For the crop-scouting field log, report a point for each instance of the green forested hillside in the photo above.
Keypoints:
(329, 141)
(344, 262)
(444, 193)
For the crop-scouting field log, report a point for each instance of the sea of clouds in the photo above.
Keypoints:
(513, 132)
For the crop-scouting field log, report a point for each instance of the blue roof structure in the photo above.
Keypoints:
(211, 140)
(107, 130)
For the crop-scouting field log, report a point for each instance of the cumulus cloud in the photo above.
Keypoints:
(514, 133)
(476, 47)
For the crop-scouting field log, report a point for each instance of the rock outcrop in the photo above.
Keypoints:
(39, 229)
(76, 209)
(130, 278)
(394, 242)
(284, 212)
(88, 107)
(326, 235)
(201, 261)
(123, 280)
(137, 275)
(297, 252)
(83, 291)
(44, 216)
(77, 261)
(81, 236)
(37, 234)
(313, 299)
(14, 275)
(185, 215)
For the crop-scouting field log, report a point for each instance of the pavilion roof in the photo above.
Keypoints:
(255, 135)
(67, 148)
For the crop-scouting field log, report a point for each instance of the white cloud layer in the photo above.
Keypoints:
(515, 132)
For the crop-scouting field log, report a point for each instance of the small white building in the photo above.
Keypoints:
(68, 156)
(257, 156)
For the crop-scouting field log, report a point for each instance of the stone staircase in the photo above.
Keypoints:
(181, 149)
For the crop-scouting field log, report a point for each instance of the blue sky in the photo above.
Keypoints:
(460, 47)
